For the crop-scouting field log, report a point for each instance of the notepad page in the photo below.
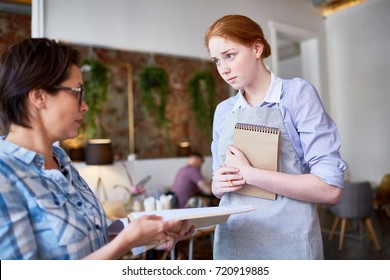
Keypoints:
(260, 145)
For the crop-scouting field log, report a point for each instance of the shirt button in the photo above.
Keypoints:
(97, 226)
(79, 203)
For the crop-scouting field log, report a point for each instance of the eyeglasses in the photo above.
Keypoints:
(77, 91)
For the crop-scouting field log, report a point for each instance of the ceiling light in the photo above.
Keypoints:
(328, 7)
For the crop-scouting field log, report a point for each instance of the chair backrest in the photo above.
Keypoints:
(356, 201)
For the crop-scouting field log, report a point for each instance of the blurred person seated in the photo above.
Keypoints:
(189, 181)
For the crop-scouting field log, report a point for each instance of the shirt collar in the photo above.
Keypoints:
(273, 94)
(275, 90)
(23, 154)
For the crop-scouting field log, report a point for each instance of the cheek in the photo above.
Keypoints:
(240, 68)
(247, 69)
(63, 116)
(219, 69)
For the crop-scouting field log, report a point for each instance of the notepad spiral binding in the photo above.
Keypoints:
(259, 128)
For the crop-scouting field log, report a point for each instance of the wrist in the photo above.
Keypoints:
(248, 174)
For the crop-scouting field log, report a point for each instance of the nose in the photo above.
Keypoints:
(224, 68)
(84, 107)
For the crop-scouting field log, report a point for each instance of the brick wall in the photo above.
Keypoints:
(150, 140)
(13, 28)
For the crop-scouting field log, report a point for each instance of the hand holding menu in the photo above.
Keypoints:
(260, 145)
(198, 217)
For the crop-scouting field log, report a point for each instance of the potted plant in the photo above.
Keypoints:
(154, 87)
(96, 81)
(203, 99)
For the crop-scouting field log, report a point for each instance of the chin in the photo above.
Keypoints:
(70, 136)
(236, 87)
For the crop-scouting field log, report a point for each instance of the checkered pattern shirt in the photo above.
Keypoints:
(46, 214)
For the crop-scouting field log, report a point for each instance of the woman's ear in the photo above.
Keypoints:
(258, 48)
(37, 98)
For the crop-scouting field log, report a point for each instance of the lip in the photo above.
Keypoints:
(231, 80)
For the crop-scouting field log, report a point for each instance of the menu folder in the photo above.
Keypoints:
(199, 218)
(260, 145)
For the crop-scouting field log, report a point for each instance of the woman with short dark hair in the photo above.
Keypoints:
(47, 211)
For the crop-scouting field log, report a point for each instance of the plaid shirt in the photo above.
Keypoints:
(46, 214)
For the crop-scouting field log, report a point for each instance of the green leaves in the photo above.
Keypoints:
(154, 85)
(203, 99)
(96, 81)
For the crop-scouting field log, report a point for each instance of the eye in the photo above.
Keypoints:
(216, 61)
(230, 55)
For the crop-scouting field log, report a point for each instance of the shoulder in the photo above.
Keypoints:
(227, 103)
(189, 168)
(222, 110)
(12, 175)
(13, 161)
(297, 89)
(299, 94)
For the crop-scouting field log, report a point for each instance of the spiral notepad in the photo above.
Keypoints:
(260, 145)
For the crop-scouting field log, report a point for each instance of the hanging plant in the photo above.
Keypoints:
(203, 98)
(154, 86)
(96, 81)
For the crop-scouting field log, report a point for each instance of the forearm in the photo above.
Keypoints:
(305, 187)
(111, 251)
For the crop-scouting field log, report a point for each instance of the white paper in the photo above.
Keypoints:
(201, 217)
(189, 213)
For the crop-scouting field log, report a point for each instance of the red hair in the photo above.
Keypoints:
(239, 29)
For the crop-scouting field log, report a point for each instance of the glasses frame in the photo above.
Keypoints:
(75, 90)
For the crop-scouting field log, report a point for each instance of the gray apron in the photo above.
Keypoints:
(280, 229)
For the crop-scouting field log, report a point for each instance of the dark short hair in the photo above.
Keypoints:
(33, 63)
(196, 154)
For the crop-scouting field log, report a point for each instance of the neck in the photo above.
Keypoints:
(257, 90)
(31, 139)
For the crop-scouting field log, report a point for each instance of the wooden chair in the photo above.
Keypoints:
(193, 202)
(205, 232)
(356, 203)
(382, 197)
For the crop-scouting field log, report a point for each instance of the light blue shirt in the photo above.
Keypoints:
(46, 214)
(311, 130)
